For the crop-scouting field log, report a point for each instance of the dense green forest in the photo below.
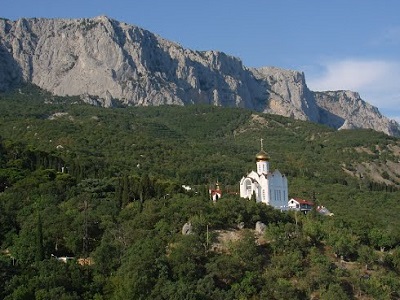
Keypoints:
(92, 205)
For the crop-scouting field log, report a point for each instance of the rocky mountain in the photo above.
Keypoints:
(105, 62)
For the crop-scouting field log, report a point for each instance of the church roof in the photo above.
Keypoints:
(262, 156)
(213, 192)
(253, 176)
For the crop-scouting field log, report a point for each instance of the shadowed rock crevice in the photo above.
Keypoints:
(10, 71)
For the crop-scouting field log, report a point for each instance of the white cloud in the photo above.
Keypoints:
(351, 74)
(377, 81)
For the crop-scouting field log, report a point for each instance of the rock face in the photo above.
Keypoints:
(105, 62)
(346, 110)
(260, 227)
(187, 229)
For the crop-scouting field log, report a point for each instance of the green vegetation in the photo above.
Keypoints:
(102, 188)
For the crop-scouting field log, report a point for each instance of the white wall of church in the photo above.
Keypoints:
(269, 188)
(278, 189)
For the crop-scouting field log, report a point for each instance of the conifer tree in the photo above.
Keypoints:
(125, 191)
(39, 255)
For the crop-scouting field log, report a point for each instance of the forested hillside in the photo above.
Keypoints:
(103, 187)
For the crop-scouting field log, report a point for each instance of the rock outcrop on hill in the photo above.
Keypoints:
(346, 110)
(105, 61)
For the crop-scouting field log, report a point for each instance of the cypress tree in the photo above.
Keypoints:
(125, 191)
(118, 193)
(39, 255)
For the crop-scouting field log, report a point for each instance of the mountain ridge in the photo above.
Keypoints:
(105, 62)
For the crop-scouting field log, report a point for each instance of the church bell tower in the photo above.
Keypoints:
(262, 161)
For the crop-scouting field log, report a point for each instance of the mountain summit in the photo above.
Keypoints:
(105, 61)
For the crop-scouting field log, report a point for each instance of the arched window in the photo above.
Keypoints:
(249, 189)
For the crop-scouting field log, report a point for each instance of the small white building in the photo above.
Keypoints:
(267, 187)
(215, 193)
(305, 206)
(300, 205)
(324, 211)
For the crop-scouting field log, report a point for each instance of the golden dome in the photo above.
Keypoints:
(262, 156)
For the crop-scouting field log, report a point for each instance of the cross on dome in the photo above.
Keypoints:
(262, 155)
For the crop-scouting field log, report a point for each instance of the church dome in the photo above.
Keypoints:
(262, 156)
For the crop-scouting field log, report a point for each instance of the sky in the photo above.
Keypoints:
(338, 44)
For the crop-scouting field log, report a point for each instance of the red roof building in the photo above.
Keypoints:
(300, 205)
(216, 193)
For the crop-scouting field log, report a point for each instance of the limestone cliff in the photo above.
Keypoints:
(105, 61)
(346, 110)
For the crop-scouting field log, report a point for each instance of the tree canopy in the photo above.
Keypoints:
(92, 205)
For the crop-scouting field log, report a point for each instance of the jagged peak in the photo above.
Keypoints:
(346, 93)
(277, 69)
(265, 71)
(103, 18)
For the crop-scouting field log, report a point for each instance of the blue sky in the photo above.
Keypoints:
(338, 44)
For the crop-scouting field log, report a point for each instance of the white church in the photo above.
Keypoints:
(268, 187)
